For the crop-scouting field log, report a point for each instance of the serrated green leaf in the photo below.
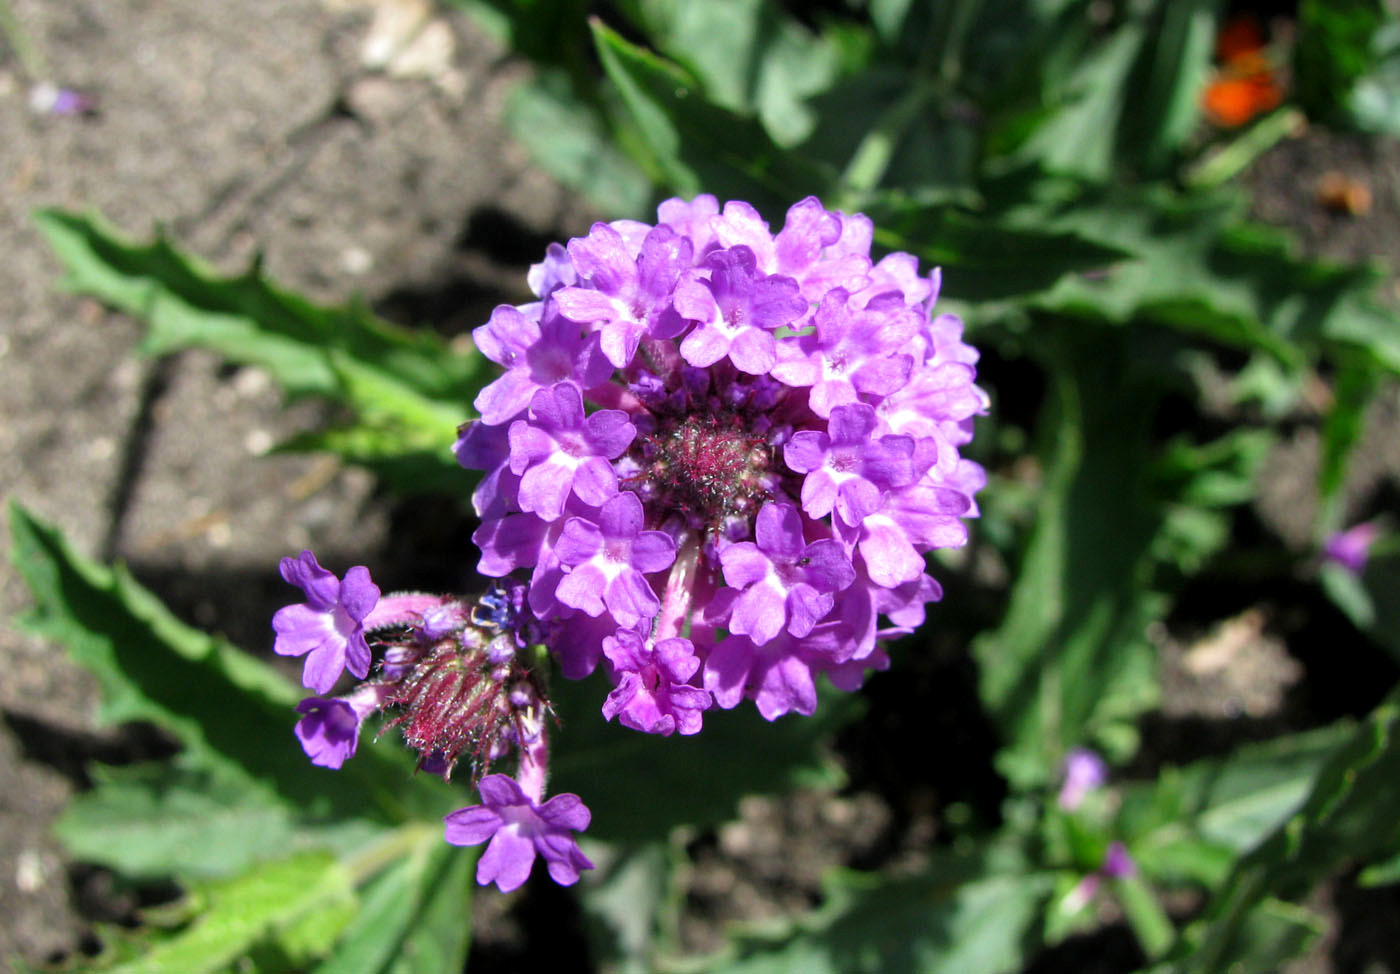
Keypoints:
(953, 917)
(240, 913)
(696, 146)
(1192, 823)
(640, 786)
(1199, 269)
(410, 383)
(232, 712)
(1351, 813)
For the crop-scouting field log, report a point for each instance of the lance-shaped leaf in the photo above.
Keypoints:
(1352, 814)
(408, 385)
(232, 713)
(692, 145)
(957, 915)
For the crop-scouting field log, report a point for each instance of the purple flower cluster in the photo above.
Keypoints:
(722, 454)
(454, 677)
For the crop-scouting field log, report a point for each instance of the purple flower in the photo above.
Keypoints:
(330, 730)
(1084, 771)
(737, 309)
(854, 352)
(558, 450)
(626, 296)
(786, 583)
(608, 560)
(1351, 549)
(653, 695)
(1117, 864)
(536, 356)
(788, 451)
(518, 830)
(328, 628)
(845, 468)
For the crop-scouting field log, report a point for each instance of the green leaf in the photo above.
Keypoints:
(232, 713)
(696, 146)
(568, 138)
(1166, 83)
(408, 383)
(390, 933)
(440, 936)
(749, 56)
(1199, 269)
(1334, 50)
(956, 916)
(1352, 813)
(153, 821)
(1069, 663)
(239, 914)
(986, 260)
(624, 899)
(640, 786)
(1192, 823)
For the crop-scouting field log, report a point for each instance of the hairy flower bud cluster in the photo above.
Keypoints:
(456, 677)
(722, 454)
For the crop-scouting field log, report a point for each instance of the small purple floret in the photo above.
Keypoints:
(329, 732)
(1351, 549)
(787, 583)
(328, 628)
(1084, 771)
(653, 695)
(518, 830)
(1117, 864)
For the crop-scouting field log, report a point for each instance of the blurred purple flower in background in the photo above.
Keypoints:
(1083, 772)
(1351, 548)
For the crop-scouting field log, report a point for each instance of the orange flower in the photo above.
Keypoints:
(1246, 84)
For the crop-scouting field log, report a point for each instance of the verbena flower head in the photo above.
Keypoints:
(743, 440)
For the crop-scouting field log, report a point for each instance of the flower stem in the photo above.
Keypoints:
(680, 590)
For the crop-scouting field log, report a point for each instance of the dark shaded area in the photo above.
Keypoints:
(72, 752)
(546, 932)
(463, 292)
(1110, 950)
(925, 742)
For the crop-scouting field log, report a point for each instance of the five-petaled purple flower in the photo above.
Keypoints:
(328, 628)
(784, 582)
(519, 829)
(652, 693)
